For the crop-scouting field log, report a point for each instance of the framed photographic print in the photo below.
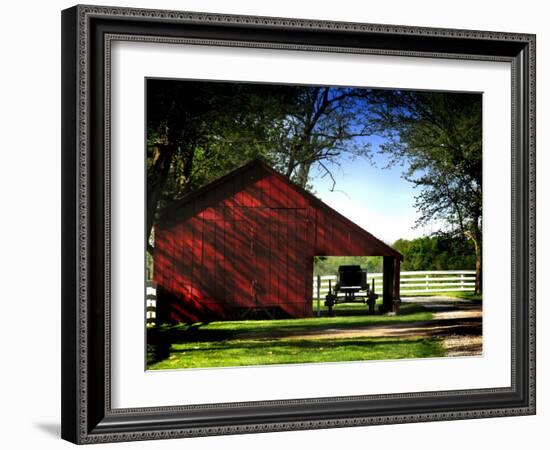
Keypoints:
(280, 224)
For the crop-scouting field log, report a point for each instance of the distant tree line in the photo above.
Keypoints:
(437, 253)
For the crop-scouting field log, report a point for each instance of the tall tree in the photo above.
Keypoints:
(439, 137)
(323, 125)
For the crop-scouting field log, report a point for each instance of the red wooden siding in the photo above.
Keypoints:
(248, 241)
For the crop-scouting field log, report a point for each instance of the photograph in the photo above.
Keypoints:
(298, 224)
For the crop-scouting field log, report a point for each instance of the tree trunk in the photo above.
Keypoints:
(157, 175)
(479, 278)
(475, 237)
(291, 165)
(303, 174)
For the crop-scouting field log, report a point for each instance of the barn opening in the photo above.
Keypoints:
(348, 285)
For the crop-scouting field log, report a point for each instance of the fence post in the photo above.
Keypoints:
(461, 281)
(427, 282)
(318, 295)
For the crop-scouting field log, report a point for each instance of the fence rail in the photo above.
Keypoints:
(415, 282)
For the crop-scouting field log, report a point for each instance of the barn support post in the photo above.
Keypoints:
(397, 285)
(389, 276)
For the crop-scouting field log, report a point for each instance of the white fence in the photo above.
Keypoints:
(412, 283)
(416, 282)
(151, 302)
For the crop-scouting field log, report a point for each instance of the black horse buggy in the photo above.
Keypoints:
(351, 287)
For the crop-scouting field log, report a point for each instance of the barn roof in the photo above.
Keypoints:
(258, 164)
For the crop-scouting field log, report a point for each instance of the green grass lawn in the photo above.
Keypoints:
(258, 342)
(248, 352)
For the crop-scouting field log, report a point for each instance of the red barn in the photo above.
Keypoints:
(246, 242)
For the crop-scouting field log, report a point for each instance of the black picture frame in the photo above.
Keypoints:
(87, 416)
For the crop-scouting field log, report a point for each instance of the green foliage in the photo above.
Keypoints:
(328, 265)
(209, 129)
(439, 252)
(436, 253)
(438, 135)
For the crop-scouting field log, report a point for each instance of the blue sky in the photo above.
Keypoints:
(377, 199)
